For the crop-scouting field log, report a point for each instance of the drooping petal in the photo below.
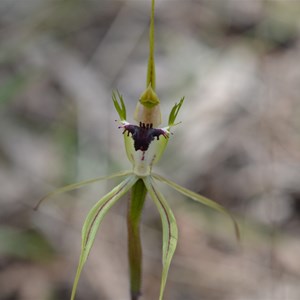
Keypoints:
(203, 200)
(93, 220)
(170, 232)
(77, 185)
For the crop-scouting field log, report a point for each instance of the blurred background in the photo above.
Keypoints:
(237, 64)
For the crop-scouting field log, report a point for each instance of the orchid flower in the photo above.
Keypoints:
(145, 142)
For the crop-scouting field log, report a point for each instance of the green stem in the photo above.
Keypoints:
(136, 203)
(151, 63)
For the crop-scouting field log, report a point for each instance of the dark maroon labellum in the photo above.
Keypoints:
(143, 135)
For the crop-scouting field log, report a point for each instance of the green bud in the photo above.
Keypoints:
(149, 98)
(148, 109)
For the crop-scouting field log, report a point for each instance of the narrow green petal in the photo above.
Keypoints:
(174, 112)
(203, 200)
(151, 62)
(119, 105)
(93, 220)
(78, 185)
(170, 232)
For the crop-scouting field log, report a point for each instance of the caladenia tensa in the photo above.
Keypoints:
(145, 143)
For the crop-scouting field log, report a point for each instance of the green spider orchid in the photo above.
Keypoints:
(145, 143)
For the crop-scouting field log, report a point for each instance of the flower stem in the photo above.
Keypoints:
(135, 207)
